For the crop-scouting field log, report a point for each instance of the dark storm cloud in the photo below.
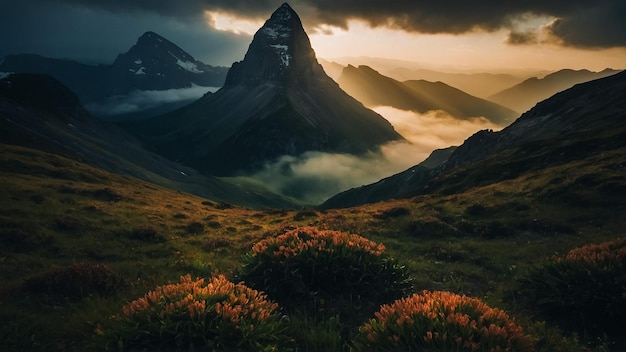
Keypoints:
(583, 23)
(97, 31)
(522, 38)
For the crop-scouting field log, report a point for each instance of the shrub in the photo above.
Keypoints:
(392, 213)
(107, 195)
(197, 314)
(584, 290)
(441, 321)
(195, 228)
(146, 233)
(302, 215)
(217, 243)
(76, 281)
(322, 269)
(67, 223)
(476, 209)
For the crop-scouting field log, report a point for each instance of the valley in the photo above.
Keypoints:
(383, 182)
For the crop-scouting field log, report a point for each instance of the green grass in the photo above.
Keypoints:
(55, 212)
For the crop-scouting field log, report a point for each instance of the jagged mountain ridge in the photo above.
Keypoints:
(375, 89)
(38, 112)
(523, 96)
(153, 63)
(575, 124)
(276, 101)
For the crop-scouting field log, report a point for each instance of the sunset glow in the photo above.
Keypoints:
(472, 51)
(228, 23)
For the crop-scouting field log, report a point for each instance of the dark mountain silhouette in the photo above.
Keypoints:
(277, 101)
(583, 121)
(38, 112)
(153, 63)
(374, 89)
(525, 95)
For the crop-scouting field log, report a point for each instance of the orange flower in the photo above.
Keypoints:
(598, 253)
(448, 320)
(294, 242)
(190, 296)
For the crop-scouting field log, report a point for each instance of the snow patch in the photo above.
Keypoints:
(140, 71)
(277, 31)
(5, 74)
(138, 62)
(188, 65)
(283, 51)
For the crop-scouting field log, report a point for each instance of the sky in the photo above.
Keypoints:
(455, 35)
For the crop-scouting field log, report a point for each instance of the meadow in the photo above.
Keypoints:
(78, 244)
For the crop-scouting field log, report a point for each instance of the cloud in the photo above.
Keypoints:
(434, 129)
(584, 23)
(598, 26)
(101, 29)
(315, 176)
(522, 37)
(146, 99)
(96, 32)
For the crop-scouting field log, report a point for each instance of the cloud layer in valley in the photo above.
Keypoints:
(147, 99)
(314, 176)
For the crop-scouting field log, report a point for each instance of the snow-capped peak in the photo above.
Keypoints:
(278, 31)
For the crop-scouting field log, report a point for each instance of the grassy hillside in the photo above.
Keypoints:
(56, 212)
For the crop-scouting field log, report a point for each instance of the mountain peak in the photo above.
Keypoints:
(280, 49)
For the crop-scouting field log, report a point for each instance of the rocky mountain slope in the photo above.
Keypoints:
(579, 123)
(38, 112)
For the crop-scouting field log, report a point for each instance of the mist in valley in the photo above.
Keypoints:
(314, 177)
(142, 100)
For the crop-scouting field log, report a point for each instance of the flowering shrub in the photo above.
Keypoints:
(311, 267)
(194, 314)
(441, 321)
(583, 290)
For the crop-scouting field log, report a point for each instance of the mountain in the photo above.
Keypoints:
(526, 94)
(38, 112)
(152, 64)
(374, 89)
(577, 124)
(277, 101)
(480, 85)
(84, 80)
(332, 69)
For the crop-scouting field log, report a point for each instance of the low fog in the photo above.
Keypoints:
(141, 100)
(313, 177)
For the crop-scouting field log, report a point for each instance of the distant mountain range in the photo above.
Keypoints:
(480, 85)
(374, 89)
(526, 94)
(585, 120)
(277, 101)
(152, 64)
